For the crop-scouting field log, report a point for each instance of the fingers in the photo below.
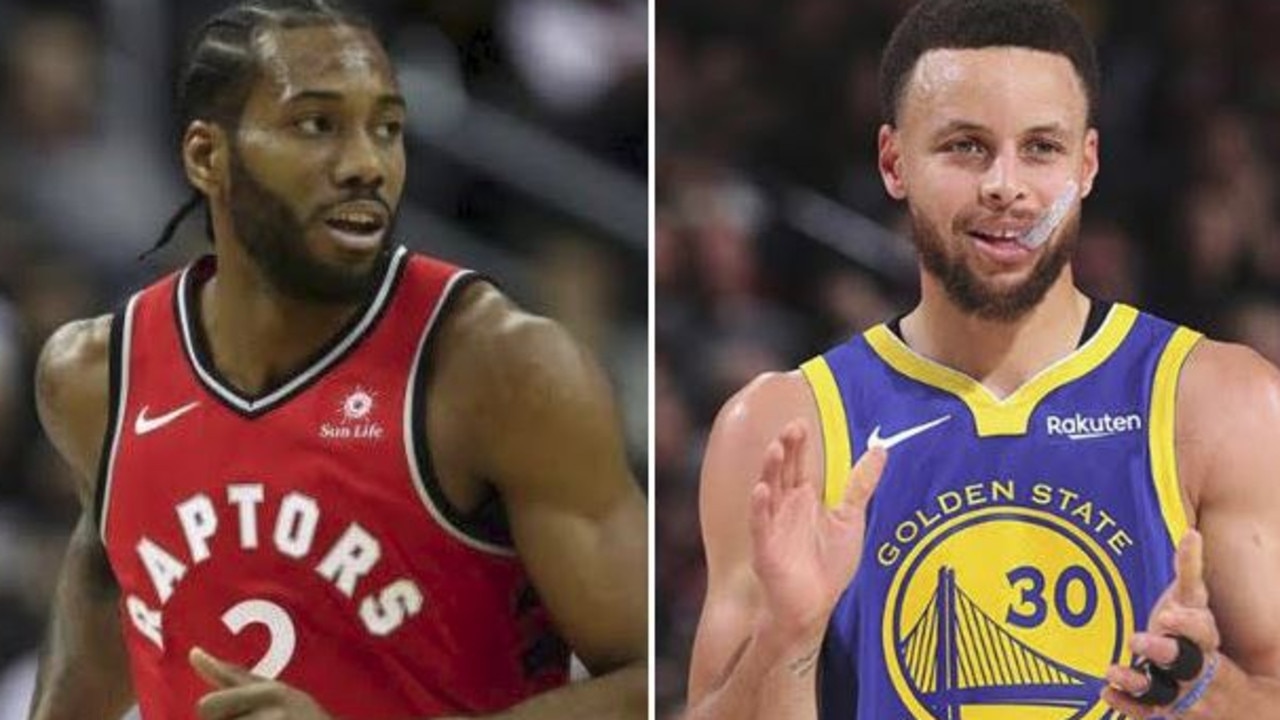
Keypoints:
(238, 701)
(760, 512)
(1195, 624)
(1125, 703)
(1189, 588)
(783, 466)
(1158, 648)
(864, 477)
(771, 475)
(219, 673)
(1128, 680)
(793, 441)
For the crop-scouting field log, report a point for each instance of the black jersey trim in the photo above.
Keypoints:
(119, 341)
(1098, 311)
(196, 348)
(486, 528)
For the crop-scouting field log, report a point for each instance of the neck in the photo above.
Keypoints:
(1002, 355)
(256, 335)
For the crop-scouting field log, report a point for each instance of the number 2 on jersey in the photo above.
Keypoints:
(279, 627)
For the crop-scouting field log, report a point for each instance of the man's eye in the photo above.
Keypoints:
(964, 147)
(314, 125)
(390, 130)
(1044, 147)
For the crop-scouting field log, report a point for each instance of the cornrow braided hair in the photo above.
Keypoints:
(221, 66)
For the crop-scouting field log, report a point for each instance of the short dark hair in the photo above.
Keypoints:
(1046, 25)
(221, 64)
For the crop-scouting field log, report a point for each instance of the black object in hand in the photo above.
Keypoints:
(1190, 660)
(1162, 689)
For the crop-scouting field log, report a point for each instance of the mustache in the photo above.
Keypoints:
(966, 221)
(369, 194)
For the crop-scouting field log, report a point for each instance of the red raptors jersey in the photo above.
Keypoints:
(300, 533)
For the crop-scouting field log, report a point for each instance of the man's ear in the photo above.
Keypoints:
(1090, 161)
(206, 149)
(890, 162)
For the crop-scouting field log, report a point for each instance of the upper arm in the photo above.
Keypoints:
(83, 669)
(72, 396)
(745, 426)
(553, 449)
(1228, 434)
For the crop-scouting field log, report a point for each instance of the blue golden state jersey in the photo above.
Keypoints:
(1013, 544)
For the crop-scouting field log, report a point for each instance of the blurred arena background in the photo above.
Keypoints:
(528, 159)
(775, 239)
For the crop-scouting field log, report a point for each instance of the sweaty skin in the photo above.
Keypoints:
(513, 405)
(986, 137)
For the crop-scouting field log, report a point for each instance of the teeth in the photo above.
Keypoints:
(356, 218)
(1004, 235)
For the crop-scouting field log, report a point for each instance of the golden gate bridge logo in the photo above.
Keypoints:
(1005, 613)
(957, 655)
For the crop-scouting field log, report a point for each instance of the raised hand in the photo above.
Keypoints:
(1183, 609)
(242, 695)
(803, 553)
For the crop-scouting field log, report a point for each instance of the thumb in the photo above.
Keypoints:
(1189, 588)
(219, 673)
(863, 479)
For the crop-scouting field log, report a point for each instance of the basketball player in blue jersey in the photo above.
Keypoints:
(1048, 490)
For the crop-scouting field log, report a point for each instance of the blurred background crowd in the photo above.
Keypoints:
(775, 239)
(528, 160)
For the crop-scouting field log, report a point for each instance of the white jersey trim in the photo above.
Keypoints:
(122, 403)
(238, 401)
(411, 439)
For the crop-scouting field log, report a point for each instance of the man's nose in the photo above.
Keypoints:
(1002, 183)
(359, 164)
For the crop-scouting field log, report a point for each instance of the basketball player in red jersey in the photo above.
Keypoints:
(987, 131)
(324, 477)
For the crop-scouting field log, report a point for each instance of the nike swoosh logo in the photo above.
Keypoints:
(875, 441)
(143, 424)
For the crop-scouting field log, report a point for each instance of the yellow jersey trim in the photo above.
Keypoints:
(1009, 416)
(835, 428)
(1164, 460)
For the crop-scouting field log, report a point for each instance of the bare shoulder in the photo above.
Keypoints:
(512, 356)
(746, 424)
(1229, 371)
(755, 415)
(763, 406)
(1228, 414)
(72, 393)
(1225, 384)
(74, 357)
(527, 390)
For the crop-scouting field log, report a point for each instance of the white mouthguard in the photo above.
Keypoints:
(1040, 233)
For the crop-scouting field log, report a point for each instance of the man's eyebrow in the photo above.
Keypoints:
(1047, 129)
(333, 96)
(968, 126)
(960, 126)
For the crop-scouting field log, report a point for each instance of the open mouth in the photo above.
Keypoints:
(1002, 246)
(357, 226)
(356, 222)
(996, 238)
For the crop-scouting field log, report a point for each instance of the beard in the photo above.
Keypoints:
(275, 238)
(981, 299)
